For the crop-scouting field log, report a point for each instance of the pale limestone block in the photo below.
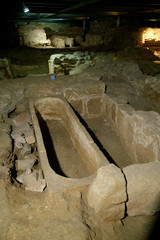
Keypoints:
(107, 193)
(21, 176)
(29, 136)
(69, 41)
(20, 130)
(19, 141)
(24, 164)
(34, 181)
(21, 118)
(143, 188)
(30, 156)
(26, 149)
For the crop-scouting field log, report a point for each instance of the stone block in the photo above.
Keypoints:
(32, 35)
(29, 136)
(58, 41)
(107, 193)
(21, 118)
(24, 164)
(26, 149)
(143, 188)
(77, 105)
(19, 141)
(20, 130)
(94, 106)
(30, 156)
(34, 181)
(20, 177)
(69, 41)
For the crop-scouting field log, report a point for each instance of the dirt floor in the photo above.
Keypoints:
(26, 215)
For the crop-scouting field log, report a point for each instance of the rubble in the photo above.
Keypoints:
(24, 164)
(30, 156)
(22, 132)
(34, 181)
(20, 177)
(21, 118)
(26, 149)
(19, 141)
(65, 64)
(29, 136)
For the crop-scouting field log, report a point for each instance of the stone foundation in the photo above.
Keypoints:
(139, 131)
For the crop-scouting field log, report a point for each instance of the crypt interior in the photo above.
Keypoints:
(79, 120)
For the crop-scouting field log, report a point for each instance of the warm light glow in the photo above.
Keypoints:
(151, 34)
(115, 13)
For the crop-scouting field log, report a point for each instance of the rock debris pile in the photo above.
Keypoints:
(25, 152)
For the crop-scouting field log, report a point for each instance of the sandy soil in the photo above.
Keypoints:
(32, 216)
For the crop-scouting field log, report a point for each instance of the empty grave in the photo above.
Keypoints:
(68, 155)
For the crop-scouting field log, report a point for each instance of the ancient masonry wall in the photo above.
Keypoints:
(139, 131)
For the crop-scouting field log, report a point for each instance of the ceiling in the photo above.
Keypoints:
(48, 10)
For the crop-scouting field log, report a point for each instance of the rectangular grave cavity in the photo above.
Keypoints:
(69, 157)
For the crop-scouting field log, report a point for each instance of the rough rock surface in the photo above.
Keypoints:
(143, 188)
(24, 164)
(34, 181)
(107, 193)
(32, 35)
(21, 118)
(139, 130)
(64, 64)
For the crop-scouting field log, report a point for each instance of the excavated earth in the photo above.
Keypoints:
(30, 215)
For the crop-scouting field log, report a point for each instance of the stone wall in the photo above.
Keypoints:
(139, 131)
(31, 35)
(134, 191)
(105, 32)
(34, 35)
(69, 64)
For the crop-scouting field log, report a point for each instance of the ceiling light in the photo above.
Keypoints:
(26, 10)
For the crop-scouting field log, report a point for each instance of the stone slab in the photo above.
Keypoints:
(107, 193)
(143, 188)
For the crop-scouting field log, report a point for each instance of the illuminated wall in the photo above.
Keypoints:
(151, 35)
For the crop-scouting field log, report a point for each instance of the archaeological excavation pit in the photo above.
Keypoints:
(73, 151)
(79, 120)
(69, 157)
